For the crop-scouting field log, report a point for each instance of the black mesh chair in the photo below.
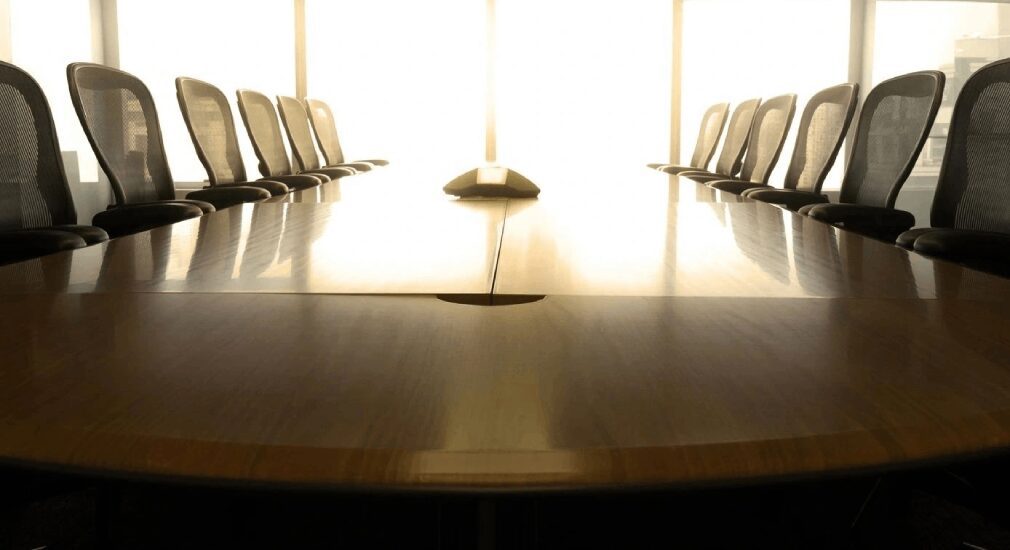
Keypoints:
(823, 127)
(893, 127)
(296, 126)
(324, 126)
(970, 216)
(260, 119)
(712, 125)
(733, 147)
(212, 127)
(771, 126)
(37, 215)
(119, 117)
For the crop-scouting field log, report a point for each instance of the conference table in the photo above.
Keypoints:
(375, 334)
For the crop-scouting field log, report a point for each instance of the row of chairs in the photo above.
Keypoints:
(118, 114)
(970, 215)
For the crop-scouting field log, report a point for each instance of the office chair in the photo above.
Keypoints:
(771, 126)
(712, 125)
(296, 126)
(892, 129)
(733, 147)
(970, 217)
(37, 215)
(260, 120)
(324, 126)
(212, 128)
(823, 127)
(118, 115)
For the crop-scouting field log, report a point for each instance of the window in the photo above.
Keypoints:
(738, 49)
(955, 37)
(404, 78)
(583, 82)
(33, 25)
(229, 43)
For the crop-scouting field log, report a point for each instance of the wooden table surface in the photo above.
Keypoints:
(683, 340)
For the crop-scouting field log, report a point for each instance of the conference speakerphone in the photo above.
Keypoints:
(492, 181)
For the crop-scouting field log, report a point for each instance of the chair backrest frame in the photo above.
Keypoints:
(713, 124)
(223, 162)
(44, 197)
(913, 100)
(738, 131)
(129, 164)
(972, 191)
(324, 125)
(296, 125)
(264, 132)
(772, 122)
(823, 127)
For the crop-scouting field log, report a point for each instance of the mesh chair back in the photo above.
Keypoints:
(823, 126)
(33, 185)
(771, 125)
(260, 121)
(974, 187)
(893, 126)
(212, 127)
(712, 125)
(325, 128)
(118, 115)
(737, 135)
(296, 124)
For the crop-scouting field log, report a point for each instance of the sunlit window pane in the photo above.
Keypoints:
(229, 43)
(738, 49)
(405, 78)
(33, 26)
(583, 83)
(955, 37)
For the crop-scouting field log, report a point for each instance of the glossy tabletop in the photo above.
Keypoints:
(685, 338)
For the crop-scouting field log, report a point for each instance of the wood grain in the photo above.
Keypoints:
(408, 393)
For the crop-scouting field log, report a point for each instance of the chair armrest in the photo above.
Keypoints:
(793, 200)
(134, 218)
(875, 221)
(735, 186)
(298, 181)
(375, 162)
(702, 177)
(272, 186)
(225, 197)
(356, 166)
(32, 243)
(333, 173)
(679, 170)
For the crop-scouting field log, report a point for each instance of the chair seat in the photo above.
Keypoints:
(90, 234)
(25, 244)
(134, 218)
(789, 198)
(877, 222)
(656, 165)
(736, 187)
(297, 182)
(375, 162)
(275, 188)
(226, 197)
